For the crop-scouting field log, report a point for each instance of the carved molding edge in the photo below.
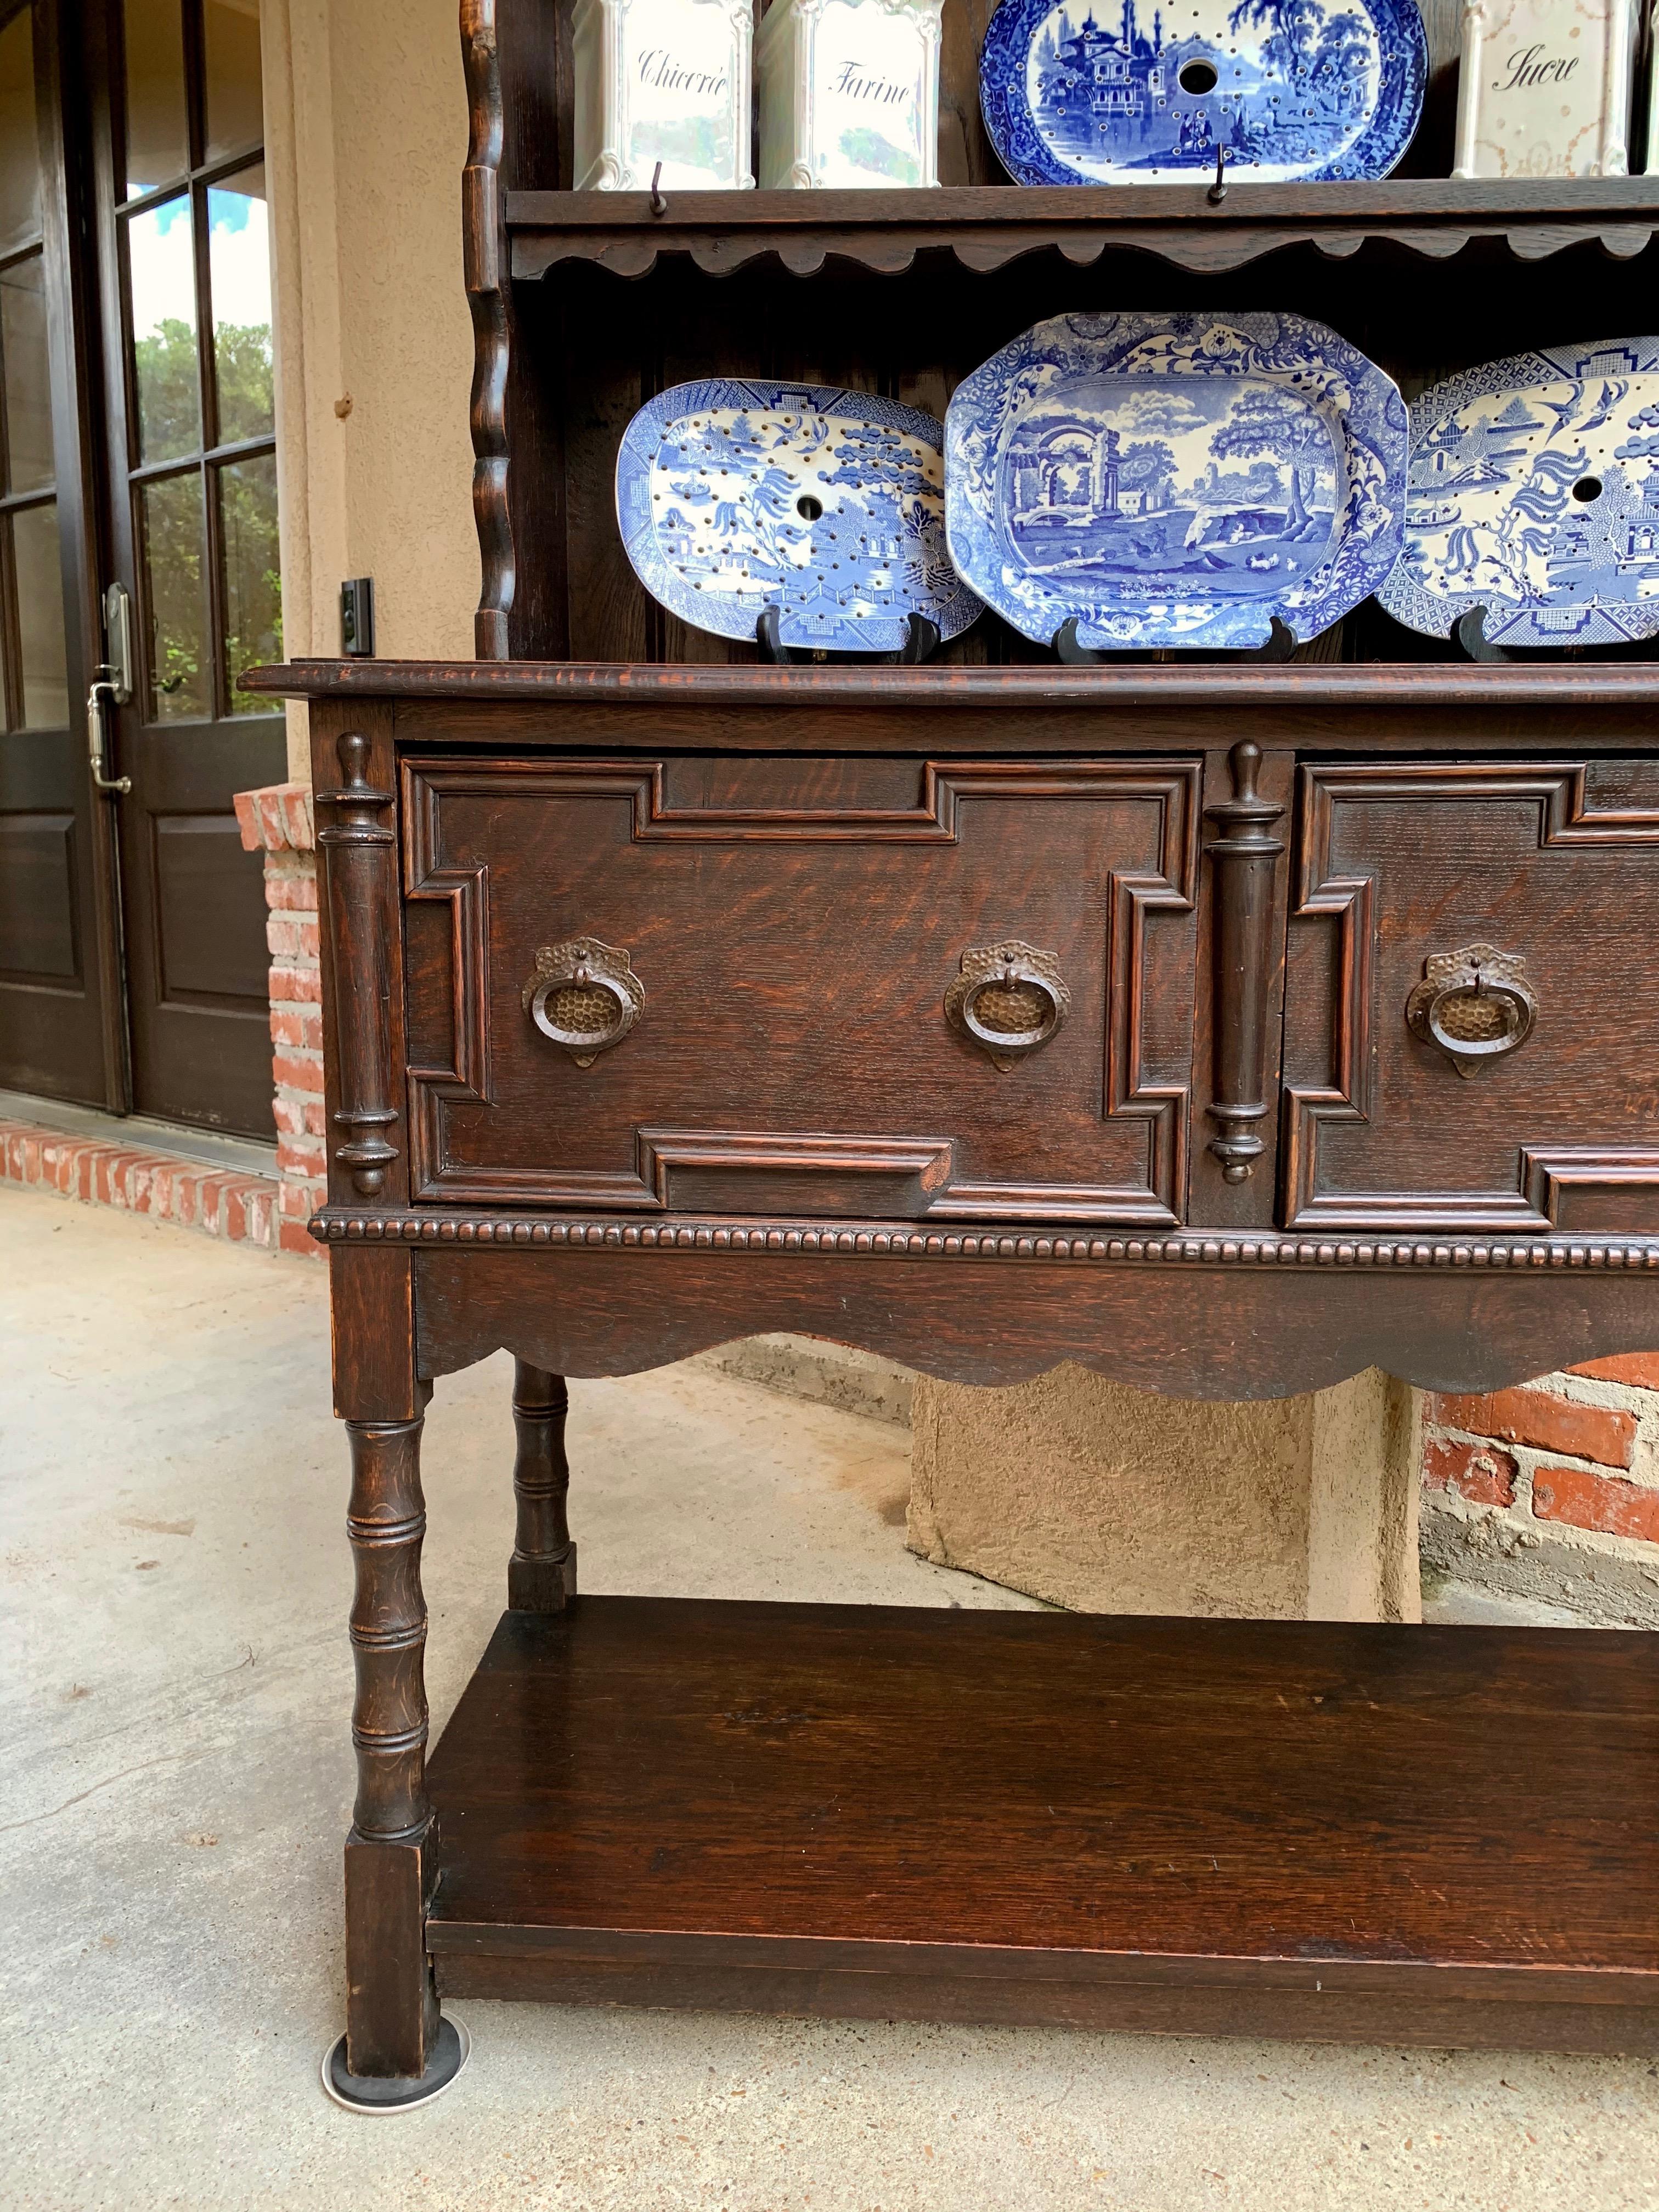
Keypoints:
(484, 240)
(840, 1239)
(983, 251)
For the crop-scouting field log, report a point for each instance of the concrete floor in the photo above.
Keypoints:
(175, 1775)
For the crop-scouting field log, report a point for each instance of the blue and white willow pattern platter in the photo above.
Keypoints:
(828, 506)
(1534, 492)
(1128, 92)
(1175, 480)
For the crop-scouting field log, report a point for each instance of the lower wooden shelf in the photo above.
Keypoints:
(1335, 1832)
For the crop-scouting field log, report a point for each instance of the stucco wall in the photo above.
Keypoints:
(366, 135)
(1094, 1496)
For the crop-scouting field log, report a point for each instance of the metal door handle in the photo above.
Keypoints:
(115, 787)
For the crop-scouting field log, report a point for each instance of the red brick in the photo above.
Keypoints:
(1606, 1501)
(302, 1156)
(289, 1069)
(294, 1236)
(1484, 1473)
(259, 1209)
(298, 1200)
(296, 805)
(248, 818)
(292, 888)
(1546, 1422)
(1639, 1368)
(296, 986)
(268, 811)
(297, 1025)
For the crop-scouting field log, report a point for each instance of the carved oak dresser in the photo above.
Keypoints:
(1229, 1028)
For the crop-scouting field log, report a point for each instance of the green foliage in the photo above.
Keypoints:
(173, 524)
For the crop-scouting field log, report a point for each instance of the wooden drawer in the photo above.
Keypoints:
(1409, 879)
(792, 928)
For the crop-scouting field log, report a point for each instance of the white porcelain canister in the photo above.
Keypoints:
(1545, 89)
(849, 93)
(665, 81)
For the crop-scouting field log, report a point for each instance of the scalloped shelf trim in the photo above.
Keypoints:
(986, 226)
(844, 1240)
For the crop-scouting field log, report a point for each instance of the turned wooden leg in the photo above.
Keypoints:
(542, 1573)
(392, 2008)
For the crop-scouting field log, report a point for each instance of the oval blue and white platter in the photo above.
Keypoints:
(1175, 480)
(1534, 492)
(734, 496)
(1126, 92)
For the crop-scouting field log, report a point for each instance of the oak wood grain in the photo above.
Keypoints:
(1159, 1323)
(1255, 1805)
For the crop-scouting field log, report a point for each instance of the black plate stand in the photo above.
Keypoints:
(1280, 646)
(922, 645)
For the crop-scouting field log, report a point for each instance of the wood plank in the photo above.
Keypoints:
(1290, 687)
(645, 1796)
(1416, 200)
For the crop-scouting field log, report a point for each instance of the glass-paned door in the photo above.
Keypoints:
(61, 1027)
(189, 357)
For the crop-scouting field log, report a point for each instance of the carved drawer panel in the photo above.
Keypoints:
(956, 991)
(1472, 1027)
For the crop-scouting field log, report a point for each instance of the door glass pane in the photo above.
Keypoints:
(171, 527)
(235, 111)
(41, 617)
(28, 375)
(164, 330)
(20, 144)
(253, 583)
(158, 135)
(238, 255)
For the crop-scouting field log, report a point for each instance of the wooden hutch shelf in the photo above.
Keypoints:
(1226, 1826)
(986, 226)
(1240, 1160)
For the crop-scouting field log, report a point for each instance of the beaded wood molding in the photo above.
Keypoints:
(843, 1240)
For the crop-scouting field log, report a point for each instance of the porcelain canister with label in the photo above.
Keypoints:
(1545, 89)
(662, 81)
(849, 93)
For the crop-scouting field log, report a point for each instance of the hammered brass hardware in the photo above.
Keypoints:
(1010, 999)
(1476, 1005)
(584, 996)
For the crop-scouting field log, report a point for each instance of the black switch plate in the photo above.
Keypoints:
(357, 618)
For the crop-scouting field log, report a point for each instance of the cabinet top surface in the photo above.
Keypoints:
(1291, 686)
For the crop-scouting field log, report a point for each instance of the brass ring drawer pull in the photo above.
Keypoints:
(584, 996)
(1009, 999)
(1476, 1005)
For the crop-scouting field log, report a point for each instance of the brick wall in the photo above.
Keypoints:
(278, 821)
(104, 1172)
(1553, 1491)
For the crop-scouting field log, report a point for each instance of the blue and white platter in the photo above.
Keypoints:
(1175, 480)
(1128, 92)
(1534, 492)
(826, 505)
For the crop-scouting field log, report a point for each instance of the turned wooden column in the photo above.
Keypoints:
(542, 1573)
(392, 2012)
(1245, 855)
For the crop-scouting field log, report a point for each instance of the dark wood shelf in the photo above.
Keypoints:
(985, 226)
(1288, 1827)
(1284, 687)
